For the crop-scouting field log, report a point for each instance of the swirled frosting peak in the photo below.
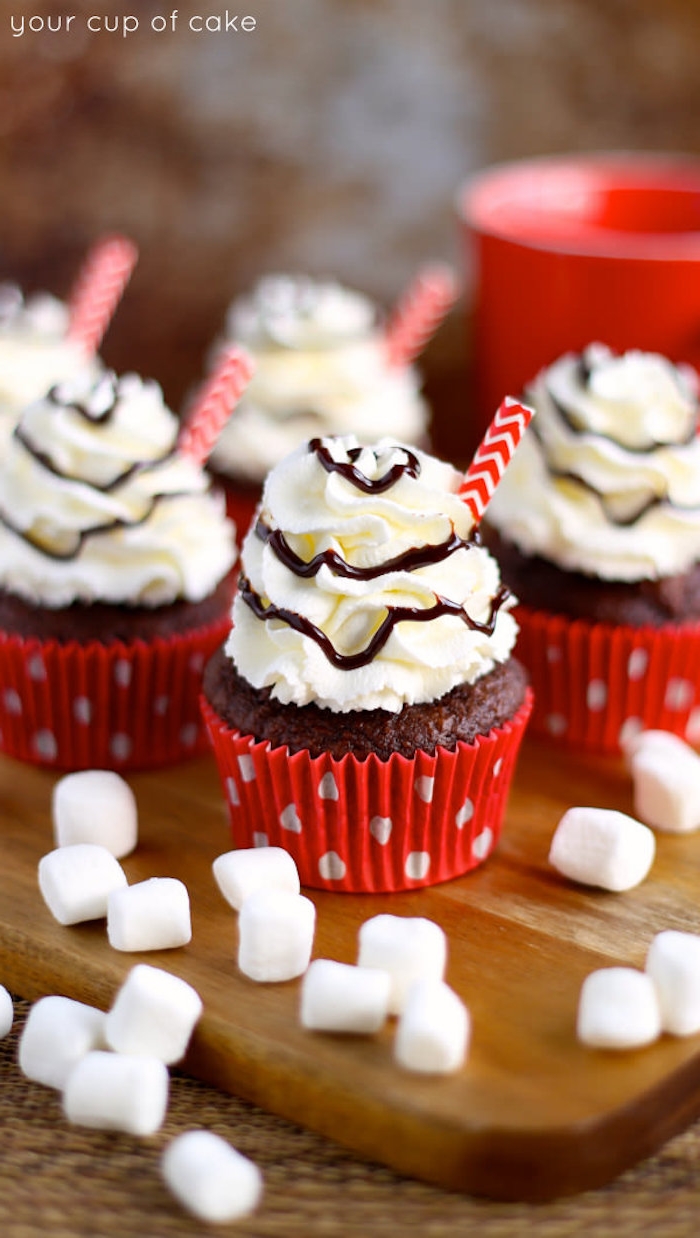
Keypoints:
(321, 369)
(97, 504)
(34, 350)
(363, 583)
(607, 478)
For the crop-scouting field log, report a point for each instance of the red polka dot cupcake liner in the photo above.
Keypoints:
(370, 825)
(596, 685)
(121, 706)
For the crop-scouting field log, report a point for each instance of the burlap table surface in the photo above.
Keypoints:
(66, 1181)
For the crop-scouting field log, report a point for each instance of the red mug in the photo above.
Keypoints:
(567, 250)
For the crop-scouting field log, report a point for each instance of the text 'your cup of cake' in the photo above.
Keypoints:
(365, 711)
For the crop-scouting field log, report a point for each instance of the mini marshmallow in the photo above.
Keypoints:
(58, 1033)
(433, 1031)
(151, 915)
(673, 962)
(117, 1092)
(618, 1009)
(239, 874)
(601, 847)
(210, 1178)
(153, 1014)
(337, 997)
(95, 806)
(275, 935)
(7, 1012)
(77, 881)
(409, 948)
(660, 741)
(667, 787)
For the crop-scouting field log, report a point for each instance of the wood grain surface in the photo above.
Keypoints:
(531, 1116)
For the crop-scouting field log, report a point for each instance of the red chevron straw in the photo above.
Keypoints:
(493, 455)
(217, 400)
(419, 313)
(98, 290)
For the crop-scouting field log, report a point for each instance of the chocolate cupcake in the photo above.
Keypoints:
(365, 711)
(597, 529)
(115, 580)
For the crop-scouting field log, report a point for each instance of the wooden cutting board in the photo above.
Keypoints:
(532, 1115)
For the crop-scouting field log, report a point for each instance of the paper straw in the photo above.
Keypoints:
(217, 400)
(98, 290)
(419, 313)
(493, 455)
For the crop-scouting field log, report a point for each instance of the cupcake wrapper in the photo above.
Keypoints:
(121, 706)
(596, 685)
(370, 825)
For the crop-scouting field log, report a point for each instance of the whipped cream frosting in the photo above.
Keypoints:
(321, 369)
(34, 351)
(606, 481)
(363, 585)
(97, 504)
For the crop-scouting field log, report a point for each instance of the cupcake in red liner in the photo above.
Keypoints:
(321, 367)
(597, 529)
(115, 580)
(365, 711)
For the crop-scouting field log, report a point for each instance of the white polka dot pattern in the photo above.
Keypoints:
(82, 710)
(45, 745)
(289, 819)
(122, 673)
(465, 814)
(35, 668)
(680, 694)
(417, 865)
(483, 844)
(637, 663)
(328, 788)
(425, 788)
(120, 746)
(232, 792)
(556, 724)
(12, 701)
(380, 828)
(247, 768)
(332, 867)
(596, 695)
(260, 840)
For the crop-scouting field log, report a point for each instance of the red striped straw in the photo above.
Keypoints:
(493, 455)
(98, 290)
(419, 312)
(217, 400)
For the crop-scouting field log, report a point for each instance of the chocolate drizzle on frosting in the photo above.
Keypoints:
(376, 485)
(409, 561)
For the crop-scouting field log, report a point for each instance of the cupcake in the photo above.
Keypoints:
(35, 352)
(321, 368)
(365, 711)
(115, 580)
(597, 528)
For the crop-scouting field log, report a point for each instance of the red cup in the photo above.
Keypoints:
(568, 250)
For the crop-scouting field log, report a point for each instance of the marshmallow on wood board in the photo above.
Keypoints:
(409, 948)
(153, 1014)
(338, 997)
(117, 1092)
(239, 874)
(275, 935)
(76, 882)
(432, 1035)
(57, 1034)
(211, 1179)
(95, 806)
(673, 963)
(7, 1012)
(672, 746)
(602, 847)
(150, 915)
(667, 787)
(618, 1009)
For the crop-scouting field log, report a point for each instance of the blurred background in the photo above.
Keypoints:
(331, 140)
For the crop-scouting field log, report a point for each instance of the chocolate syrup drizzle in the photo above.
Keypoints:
(584, 372)
(41, 457)
(409, 560)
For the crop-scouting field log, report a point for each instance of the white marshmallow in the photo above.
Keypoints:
(153, 1014)
(408, 947)
(239, 874)
(95, 806)
(275, 935)
(76, 882)
(433, 1031)
(667, 787)
(660, 741)
(58, 1033)
(618, 1009)
(117, 1092)
(210, 1178)
(601, 847)
(337, 997)
(151, 915)
(7, 1012)
(673, 962)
